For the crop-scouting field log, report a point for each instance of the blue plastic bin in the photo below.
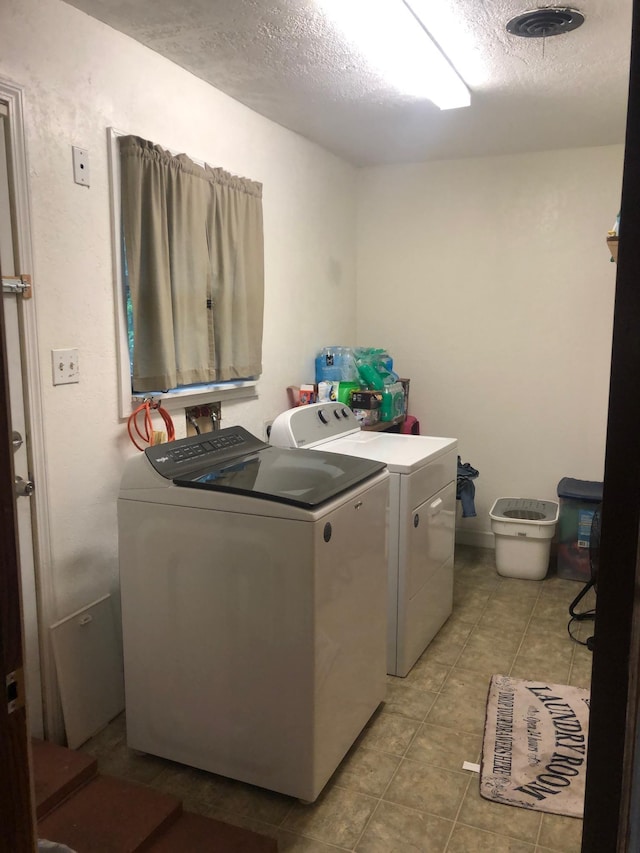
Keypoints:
(579, 500)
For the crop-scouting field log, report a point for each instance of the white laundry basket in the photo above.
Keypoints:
(523, 529)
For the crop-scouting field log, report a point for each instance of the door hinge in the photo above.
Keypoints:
(15, 690)
(19, 284)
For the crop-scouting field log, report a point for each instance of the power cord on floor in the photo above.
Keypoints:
(577, 616)
(582, 617)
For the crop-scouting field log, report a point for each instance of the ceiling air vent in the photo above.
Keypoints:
(544, 23)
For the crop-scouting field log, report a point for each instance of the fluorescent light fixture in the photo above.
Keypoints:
(396, 44)
(457, 37)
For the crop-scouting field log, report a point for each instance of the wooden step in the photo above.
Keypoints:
(57, 773)
(91, 813)
(110, 815)
(192, 833)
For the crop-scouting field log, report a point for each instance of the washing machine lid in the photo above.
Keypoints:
(234, 461)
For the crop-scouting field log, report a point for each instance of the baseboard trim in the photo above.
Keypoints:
(476, 538)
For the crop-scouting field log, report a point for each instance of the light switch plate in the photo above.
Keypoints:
(65, 367)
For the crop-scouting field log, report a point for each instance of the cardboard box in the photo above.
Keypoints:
(366, 400)
(307, 394)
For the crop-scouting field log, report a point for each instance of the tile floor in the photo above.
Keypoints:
(401, 788)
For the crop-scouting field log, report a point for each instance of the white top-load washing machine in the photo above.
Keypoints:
(421, 516)
(253, 587)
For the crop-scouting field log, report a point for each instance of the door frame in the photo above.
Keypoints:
(52, 709)
(16, 790)
(611, 818)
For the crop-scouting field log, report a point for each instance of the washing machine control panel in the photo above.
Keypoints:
(199, 451)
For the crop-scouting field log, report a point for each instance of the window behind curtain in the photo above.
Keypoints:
(194, 267)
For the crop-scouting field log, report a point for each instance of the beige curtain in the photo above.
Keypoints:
(194, 255)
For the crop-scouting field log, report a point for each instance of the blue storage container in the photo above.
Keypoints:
(336, 364)
(579, 500)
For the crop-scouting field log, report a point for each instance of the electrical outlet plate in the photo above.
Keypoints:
(65, 367)
(81, 166)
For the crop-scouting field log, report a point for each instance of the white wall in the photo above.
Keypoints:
(80, 77)
(489, 281)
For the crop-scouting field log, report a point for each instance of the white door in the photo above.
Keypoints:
(12, 319)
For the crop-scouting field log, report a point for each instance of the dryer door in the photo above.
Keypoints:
(425, 593)
(430, 532)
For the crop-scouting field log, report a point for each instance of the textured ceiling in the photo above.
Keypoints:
(282, 59)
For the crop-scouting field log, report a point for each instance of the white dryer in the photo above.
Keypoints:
(421, 517)
(253, 587)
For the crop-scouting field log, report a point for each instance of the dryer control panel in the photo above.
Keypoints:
(309, 426)
(199, 451)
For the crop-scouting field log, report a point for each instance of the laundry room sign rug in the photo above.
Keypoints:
(534, 753)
